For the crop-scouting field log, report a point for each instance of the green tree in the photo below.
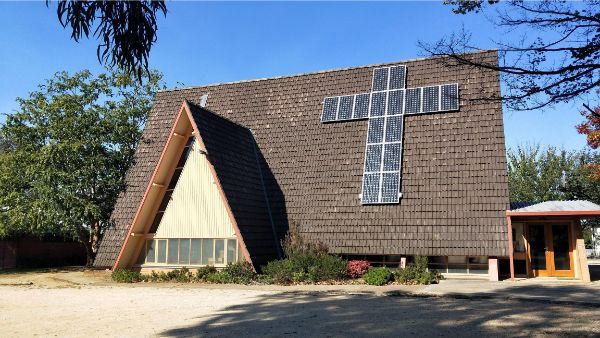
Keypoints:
(71, 143)
(537, 175)
(581, 183)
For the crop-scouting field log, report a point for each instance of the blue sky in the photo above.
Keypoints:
(201, 43)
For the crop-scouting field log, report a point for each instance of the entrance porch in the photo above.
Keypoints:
(545, 239)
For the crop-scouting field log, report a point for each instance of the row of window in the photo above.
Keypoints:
(459, 264)
(190, 251)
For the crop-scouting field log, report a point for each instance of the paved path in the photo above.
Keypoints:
(540, 290)
(124, 311)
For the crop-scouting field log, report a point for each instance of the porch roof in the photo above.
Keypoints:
(577, 208)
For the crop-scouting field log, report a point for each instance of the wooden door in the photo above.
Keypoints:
(550, 250)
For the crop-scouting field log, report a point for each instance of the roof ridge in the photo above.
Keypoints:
(214, 113)
(317, 72)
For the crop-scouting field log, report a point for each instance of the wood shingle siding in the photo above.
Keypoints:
(454, 178)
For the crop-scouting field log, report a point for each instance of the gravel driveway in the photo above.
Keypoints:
(92, 311)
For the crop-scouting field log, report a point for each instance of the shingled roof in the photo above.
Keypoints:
(232, 151)
(454, 178)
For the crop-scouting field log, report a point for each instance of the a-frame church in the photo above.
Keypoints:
(381, 162)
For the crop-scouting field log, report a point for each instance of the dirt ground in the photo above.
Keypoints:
(78, 304)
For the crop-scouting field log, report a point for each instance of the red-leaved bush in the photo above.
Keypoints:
(357, 268)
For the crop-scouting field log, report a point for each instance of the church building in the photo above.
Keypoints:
(380, 162)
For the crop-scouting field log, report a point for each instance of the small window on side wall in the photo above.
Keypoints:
(208, 257)
(161, 256)
(195, 252)
(231, 250)
(219, 251)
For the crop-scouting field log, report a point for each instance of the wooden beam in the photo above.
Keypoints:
(511, 250)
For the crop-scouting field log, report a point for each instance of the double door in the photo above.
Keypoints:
(550, 249)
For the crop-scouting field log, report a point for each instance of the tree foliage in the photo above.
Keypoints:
(537, 175)
(591, 128)
(126, 29)
(555, 60)
(72, 142)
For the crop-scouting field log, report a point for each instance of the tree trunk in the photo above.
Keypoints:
(89, 254)
(91, 247)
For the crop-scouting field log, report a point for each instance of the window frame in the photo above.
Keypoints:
(225, 240)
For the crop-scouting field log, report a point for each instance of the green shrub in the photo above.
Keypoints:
(377, 276)
(417, 273)
(203, 272)
(327, 267)
(306, 266)
(126, 276)
(158, 276)
(182, 275)
(304, 262)
(240, 272)
(219, 277)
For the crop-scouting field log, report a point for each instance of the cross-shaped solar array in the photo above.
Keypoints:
(385, 107)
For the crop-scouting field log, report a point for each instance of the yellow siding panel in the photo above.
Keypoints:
(196, 209)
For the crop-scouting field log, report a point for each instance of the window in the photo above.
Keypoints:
(191, 251)
(184, 251)
(162, 251)
(208, 255)
(459, 264)
(231, 246)
(150, 252)
(220, 251)
(173, 250)
(195, 253)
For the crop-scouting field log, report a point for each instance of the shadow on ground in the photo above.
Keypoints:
(362, 315)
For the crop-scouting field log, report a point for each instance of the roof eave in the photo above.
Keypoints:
(578, 213)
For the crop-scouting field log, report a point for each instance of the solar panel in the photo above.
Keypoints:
(380, 79)
(389, 187)
(393, 129)
(413, 101)
(385, 107)
(370, 188)
(378, 104)
(361, 106)
(431, 99)
(329, 109)
(345, 111)
(391, 157)
(398, 77)
(395, 100)
(373, 158)
(449, 97)
(375, 132)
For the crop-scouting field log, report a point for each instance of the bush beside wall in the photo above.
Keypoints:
(378, 276)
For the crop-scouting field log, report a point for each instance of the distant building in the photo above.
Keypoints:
(380, 162)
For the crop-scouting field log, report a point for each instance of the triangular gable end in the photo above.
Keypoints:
(199, 188)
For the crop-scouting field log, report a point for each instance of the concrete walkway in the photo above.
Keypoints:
(535, 289)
